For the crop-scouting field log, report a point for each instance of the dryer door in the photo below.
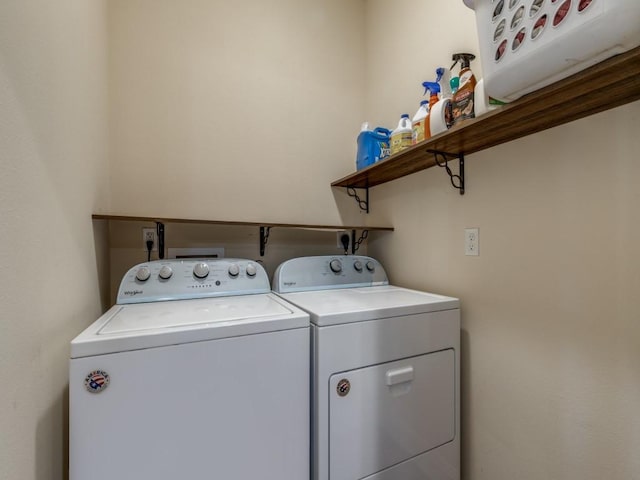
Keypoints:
(382, 415)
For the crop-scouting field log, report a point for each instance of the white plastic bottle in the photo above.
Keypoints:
(418, 122)
(401, 136)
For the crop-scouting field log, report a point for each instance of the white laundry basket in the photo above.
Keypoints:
(528, 44)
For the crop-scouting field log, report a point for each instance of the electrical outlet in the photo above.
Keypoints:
(149, 234)
(339, 238)
(472, 241)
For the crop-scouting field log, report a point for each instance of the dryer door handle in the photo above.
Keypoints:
(399, 375)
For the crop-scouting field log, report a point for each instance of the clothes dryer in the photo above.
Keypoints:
(385, 371)
(198, 371)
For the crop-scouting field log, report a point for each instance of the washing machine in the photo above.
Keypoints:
(385, 371)
(199, 371)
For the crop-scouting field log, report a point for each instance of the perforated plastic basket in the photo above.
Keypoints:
(528, 44)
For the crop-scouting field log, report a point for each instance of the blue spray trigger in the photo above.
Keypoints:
(432, 87)
(439, 72)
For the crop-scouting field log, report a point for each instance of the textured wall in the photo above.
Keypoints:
(221, 112)
(53, 174)
(551, 338)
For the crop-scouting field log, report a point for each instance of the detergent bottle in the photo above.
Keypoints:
(373, 146)
(418, 122)
(463, 100)
(433, 89)
(401, 136)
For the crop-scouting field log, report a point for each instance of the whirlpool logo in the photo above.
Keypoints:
(131, 293)
(290, 284)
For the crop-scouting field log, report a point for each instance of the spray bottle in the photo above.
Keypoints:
(442, 114)
(443, 77)
(434, 89)
(463, 100)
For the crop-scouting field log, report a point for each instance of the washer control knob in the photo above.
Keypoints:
(335, 266)
(357, 265)
(165, 272)
(201, 270)
(143, 274)
(251, 270)
(234, 270)
(371, 266)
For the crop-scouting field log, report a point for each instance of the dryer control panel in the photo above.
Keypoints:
(164, 280)
(328, 272)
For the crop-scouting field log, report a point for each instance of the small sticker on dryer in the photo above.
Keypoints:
(343, 387)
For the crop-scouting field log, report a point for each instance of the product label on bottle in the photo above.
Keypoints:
(464, 78)
(400, 141)
(418, 132)
(463, 105)
(385, 150)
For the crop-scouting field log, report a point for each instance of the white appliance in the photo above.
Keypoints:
(198, 371)
(385, 371)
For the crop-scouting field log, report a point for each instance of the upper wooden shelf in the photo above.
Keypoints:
(127, 218)
(609, 84)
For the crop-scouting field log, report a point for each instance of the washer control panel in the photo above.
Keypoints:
(163, 280)
(328, 272)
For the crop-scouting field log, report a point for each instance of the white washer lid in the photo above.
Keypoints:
(334, 307)
(147, 325)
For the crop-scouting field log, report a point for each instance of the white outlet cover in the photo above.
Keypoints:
(472, 241)
(152, 232)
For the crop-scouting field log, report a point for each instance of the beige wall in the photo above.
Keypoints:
(199, 97)
(241, 114)
(53, 174)
(551, 337)
(235, 113)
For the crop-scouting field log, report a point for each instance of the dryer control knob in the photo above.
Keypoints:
(234, 270)
(251, 270)
(371, 266)
(357, 265)
(335, 266)
(143, 274)
(201, 270)
(165, 272)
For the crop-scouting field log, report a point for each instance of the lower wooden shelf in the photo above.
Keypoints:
(129, 218)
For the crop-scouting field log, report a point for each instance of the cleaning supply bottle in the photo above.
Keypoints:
(373, 146)
(443, 113)
(463, 100)
(434, 89)
(443, 77)
(401, 136)
(418, 122)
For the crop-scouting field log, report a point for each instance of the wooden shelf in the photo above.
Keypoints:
(126, 218)
(609, 84)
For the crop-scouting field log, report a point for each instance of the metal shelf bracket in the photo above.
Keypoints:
(160, 235)
(264, 238)
(355, 244)
(363, 204)
(456, 180)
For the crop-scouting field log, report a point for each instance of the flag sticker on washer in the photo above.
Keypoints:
(96, 381)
